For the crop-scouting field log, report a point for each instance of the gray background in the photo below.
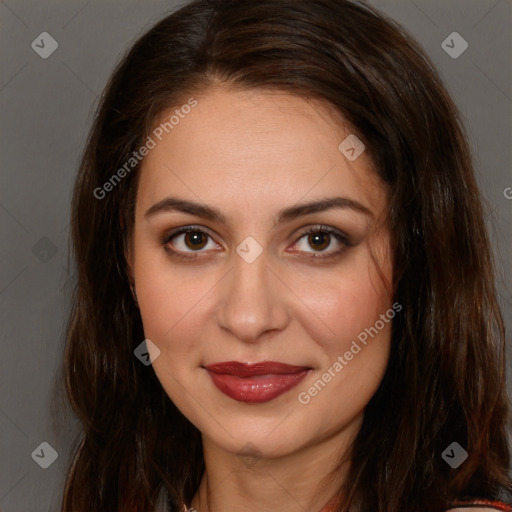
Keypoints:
(47, 107)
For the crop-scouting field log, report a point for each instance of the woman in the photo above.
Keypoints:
(285, 293)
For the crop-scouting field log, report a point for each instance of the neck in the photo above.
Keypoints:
(294, 482)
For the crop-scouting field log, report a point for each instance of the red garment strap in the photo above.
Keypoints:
(498, 505)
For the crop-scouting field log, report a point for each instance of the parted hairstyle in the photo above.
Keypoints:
(445, 379)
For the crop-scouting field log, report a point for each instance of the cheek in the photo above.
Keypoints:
(172, 309)
(353, 352)
(349, 316)
(164, 296)
(338, 304)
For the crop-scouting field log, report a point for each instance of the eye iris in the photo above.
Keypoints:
(197, 239)
(319, 238)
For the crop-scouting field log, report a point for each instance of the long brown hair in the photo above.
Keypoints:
(445, 381)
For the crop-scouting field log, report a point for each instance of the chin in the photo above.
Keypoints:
(262, 438)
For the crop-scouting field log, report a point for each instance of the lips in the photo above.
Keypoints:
(255, 383)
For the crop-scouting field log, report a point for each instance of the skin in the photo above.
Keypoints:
(251, 154)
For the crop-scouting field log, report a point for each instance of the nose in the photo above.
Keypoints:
(252, 300)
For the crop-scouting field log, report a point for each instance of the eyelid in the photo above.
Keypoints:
(184, 229)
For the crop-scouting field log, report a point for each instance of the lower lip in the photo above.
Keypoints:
(258, 389)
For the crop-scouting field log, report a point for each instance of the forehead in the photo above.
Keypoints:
(255, 148)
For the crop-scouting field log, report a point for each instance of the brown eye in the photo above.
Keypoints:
(319, 240)
(322, 242)
(195, 239)
(188, 240)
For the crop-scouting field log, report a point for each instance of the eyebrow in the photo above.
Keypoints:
(170, 204)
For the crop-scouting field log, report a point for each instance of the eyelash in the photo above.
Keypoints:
(340, 236)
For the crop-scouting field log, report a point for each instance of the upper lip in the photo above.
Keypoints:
(248, 370)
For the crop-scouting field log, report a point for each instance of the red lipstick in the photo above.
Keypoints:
(255, 383)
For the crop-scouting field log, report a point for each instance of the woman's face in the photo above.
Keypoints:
(253, 287)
